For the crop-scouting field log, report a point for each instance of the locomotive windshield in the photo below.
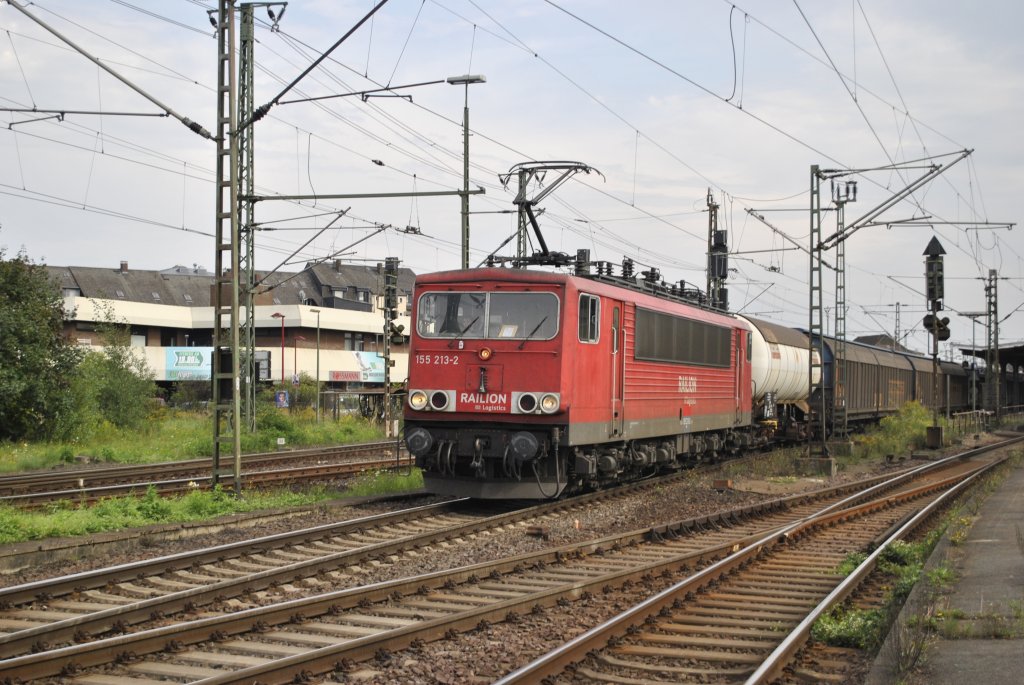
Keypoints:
(513, 316)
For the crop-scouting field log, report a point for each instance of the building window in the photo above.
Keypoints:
(119, 293)
(71, 292)
(349, 342)
(188, 298)
(156, 296)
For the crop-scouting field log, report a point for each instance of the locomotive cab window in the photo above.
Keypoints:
(504, 315)
(590, 318)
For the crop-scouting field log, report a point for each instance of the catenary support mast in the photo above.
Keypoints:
(246, 215)
(225, 367)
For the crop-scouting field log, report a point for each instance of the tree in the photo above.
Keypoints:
(36, 362)
(114, 385)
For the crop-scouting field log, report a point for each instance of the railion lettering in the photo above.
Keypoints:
(494, 398)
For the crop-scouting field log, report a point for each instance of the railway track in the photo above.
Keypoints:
(316, 634)
(57, 611)
(38, 488)
(743, 618)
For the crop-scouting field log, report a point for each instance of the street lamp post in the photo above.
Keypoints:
(295, 356)
(973, 316)
(317, 312)
(465, 80)
(279, 315)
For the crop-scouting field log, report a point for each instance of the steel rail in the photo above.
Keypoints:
(295, 474)
(103, 651)
(558, 659)
(783, 655)
(77, 478)
(21, 641)
(285, 670)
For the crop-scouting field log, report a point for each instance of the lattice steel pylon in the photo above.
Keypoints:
(523, 221)
(246, 215)
(839, 416)
(224, 365)
(815, 342)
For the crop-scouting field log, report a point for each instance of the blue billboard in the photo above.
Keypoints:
(189, 363)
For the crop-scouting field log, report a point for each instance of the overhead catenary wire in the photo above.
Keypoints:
(262, 110)
(427, 180)
(191, 125)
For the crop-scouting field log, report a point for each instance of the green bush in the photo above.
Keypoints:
(897, 434)
(860, 628)
(154, 507)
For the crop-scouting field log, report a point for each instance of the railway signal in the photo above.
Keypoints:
(937, 326)
(392, 333)
(933, 274)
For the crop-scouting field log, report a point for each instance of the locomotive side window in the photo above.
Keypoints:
(505, 315)
(590, 318)
(615, 330)
(666, 338)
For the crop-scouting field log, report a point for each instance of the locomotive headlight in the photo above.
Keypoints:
(527, 403)
(549, 403)
(485, 353)
(439, 400)
(417, 400)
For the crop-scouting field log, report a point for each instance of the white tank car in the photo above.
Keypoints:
(779, 363)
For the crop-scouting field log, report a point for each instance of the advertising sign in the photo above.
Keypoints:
(371, 367)
(189, 363)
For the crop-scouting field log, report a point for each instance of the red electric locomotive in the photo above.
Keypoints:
(529, 384)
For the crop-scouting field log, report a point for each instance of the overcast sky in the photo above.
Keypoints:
(666, 99)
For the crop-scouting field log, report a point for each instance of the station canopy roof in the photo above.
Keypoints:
(1009, 354)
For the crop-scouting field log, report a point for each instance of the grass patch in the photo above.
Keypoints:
(778, 464)
(174, 435)
(64, 519)
(385, 482)
(850, 563)
(901, 564)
